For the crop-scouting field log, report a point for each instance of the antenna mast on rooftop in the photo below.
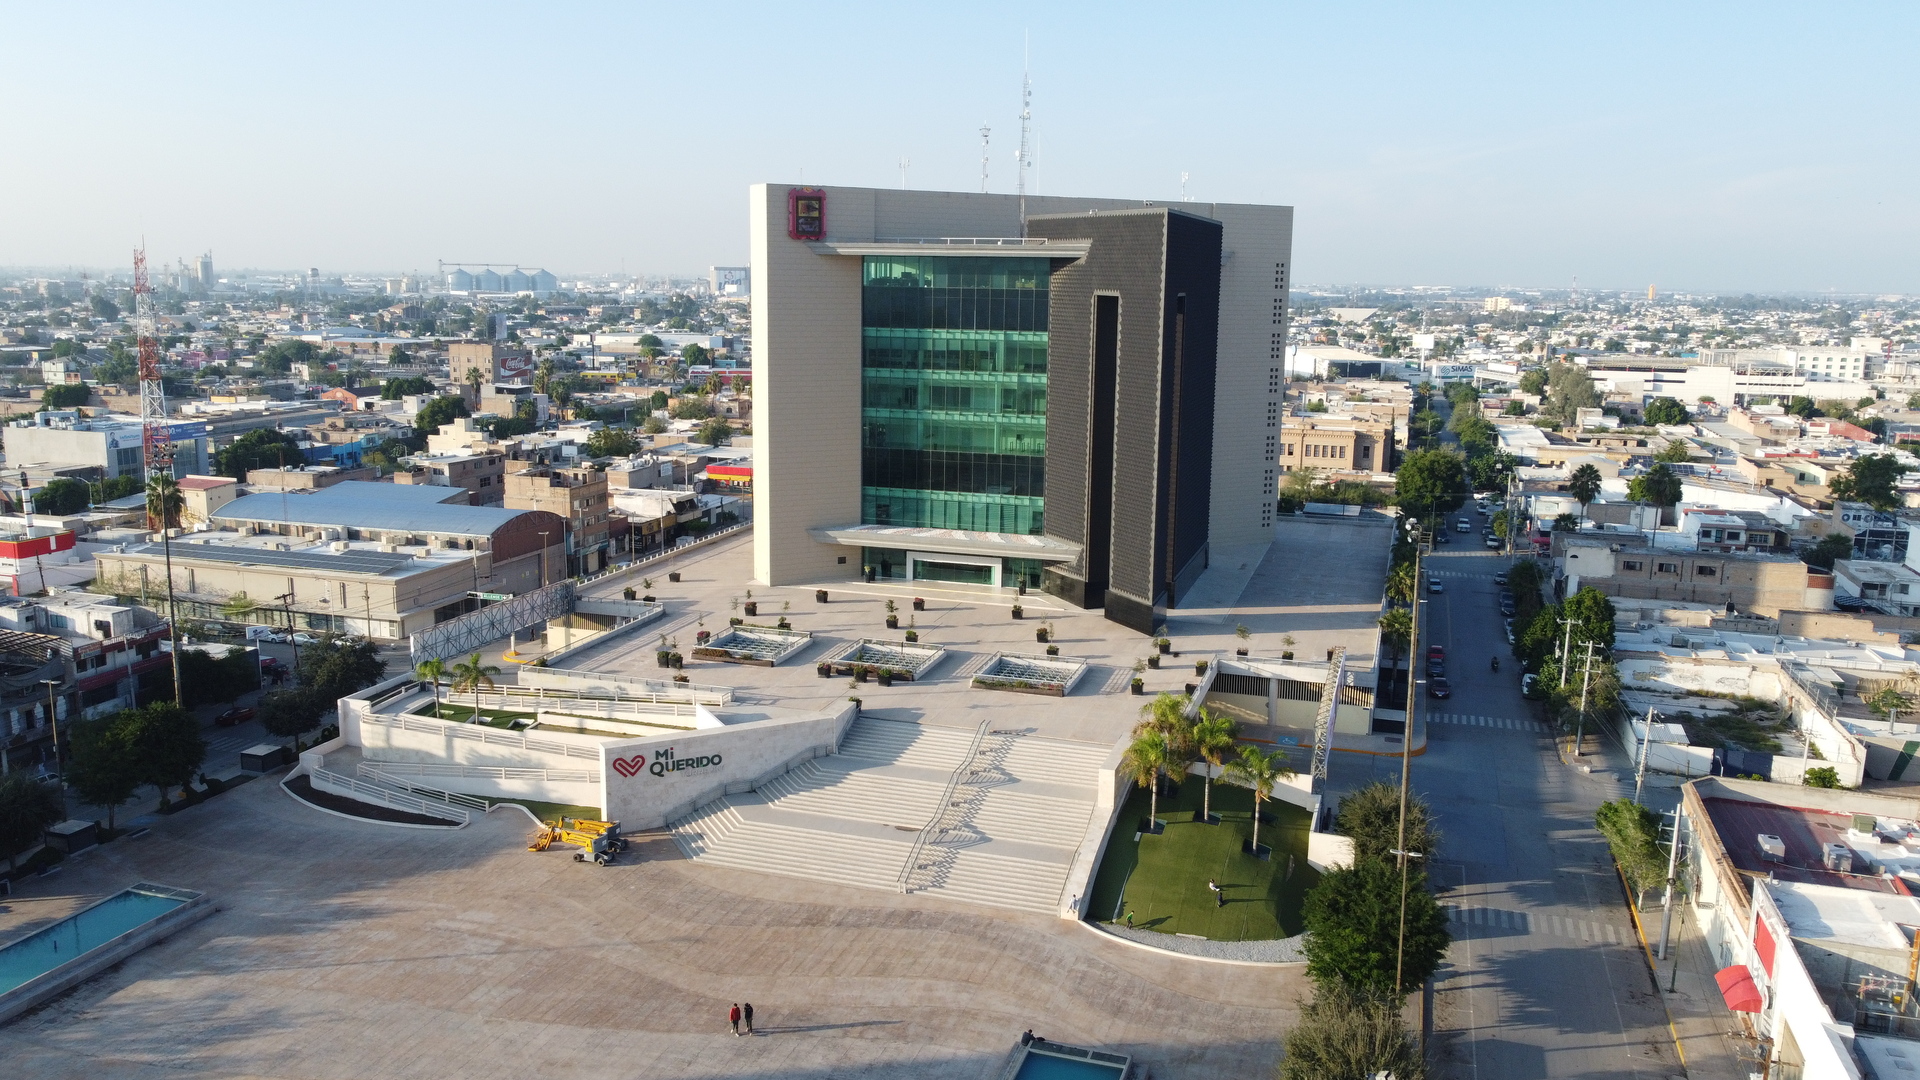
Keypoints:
(156, 440)
(1024, 160)
(985, 131)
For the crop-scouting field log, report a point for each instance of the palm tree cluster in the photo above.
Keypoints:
(1173, 734)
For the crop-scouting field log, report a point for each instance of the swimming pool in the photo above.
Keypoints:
(1055, 1061)
(86, 930)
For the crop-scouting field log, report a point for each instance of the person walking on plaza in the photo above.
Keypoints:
(746, 1015)
(1219, 894)
(733, 1017)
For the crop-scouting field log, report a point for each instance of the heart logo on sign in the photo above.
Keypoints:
(630, 766)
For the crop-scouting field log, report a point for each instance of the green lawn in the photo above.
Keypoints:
(457, 712)
(1163, 879)
(552, 811)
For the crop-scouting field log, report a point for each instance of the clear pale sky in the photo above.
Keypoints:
(1741, 146)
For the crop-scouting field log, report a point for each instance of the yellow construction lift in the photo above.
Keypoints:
(597, 846)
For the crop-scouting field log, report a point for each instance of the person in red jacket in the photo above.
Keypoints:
(733, 1017)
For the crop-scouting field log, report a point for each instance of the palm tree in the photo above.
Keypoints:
(1584, 485)
(1259, 771)
(165, 501)
(475, 676)
(432, 671)
(1213, 737)
(1396, 628)
(474, 379)
(1171, 716)
(1400, 583)
(1145, 758)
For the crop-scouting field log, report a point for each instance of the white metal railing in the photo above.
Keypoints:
(490, 772)
(905, 881)
(480, 733)
(362, 790)
(432, 794)
(640, 564)
(537, 698)
(637, 687)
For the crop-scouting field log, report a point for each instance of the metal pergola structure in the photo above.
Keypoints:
(476, 629)
(1323, 721)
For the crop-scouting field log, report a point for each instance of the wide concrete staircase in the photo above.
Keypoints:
(1015, 808)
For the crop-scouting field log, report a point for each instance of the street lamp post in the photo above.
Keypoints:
(543, 558)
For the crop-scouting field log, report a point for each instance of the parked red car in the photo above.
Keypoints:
(239, 714)
(1436, 652)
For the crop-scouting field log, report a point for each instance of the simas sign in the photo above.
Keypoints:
(663, 763)
(806, 213)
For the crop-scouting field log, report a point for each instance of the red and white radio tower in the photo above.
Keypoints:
(155, 436)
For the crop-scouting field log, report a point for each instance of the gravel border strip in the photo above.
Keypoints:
(1272, 951)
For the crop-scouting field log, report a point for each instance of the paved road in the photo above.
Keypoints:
(1545, 978)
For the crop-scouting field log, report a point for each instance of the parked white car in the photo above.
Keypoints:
(306, 639)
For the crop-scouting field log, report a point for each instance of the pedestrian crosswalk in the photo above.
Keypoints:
(1530, 922)
(230, 744)
(1506, 722)
(1461, 575)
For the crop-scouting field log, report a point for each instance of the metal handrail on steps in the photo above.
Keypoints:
(452, 798)
(491, 772)
(480, 733)
(397, 801)
(904, 881)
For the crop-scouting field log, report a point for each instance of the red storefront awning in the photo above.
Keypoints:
(1736, 985)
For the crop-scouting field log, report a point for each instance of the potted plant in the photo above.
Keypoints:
(648, 598)
(860, 672)
(783, 624)
(673, 576)
(753, 609)
(1245, 635)
(856, 704)
(786, 605)
(912, 634)
(1043, 633)
(1153, 660)
(819, 596)
(919, 604)
(701, 637)
(1287, 640)
(681, 678)
(893, 620)
(1199, 667)
(662, 657)
(629, 592)
(646, 584)
(1163, 644)
(1053, 650)
(884, 677)
(735, 621)
(676, 660)
(1019, 612)
(824, 668)
(1139, 685)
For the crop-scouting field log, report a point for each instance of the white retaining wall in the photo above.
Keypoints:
(642, 788)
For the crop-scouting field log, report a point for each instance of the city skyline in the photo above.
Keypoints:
(1719, 149)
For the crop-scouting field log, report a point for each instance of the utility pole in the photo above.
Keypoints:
(1406, 757)
(1640, 771)
(1580, 730)
(1566, 646)
(1673, 870)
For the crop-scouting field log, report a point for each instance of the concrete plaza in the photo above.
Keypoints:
(353, 950)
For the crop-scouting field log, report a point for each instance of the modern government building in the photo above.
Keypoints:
(1075, 395)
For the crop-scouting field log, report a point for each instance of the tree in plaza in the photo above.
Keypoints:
(1353, 929)
(27, 806)
(290, 713)
(1870, 480)
(1430, 482)
(1396, 629)
(1658, 486)
(166, 741)
(101, 766)
(335, 668)
(431, 671)
(1665, 410)
(1371, 817)
(1344, 1034)
(1147, 756)
(1260, 771)
(1584, 486)
(473, 675)
(1832, 548)
(1214, 737)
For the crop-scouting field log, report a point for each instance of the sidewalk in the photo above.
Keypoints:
(1699, 1018)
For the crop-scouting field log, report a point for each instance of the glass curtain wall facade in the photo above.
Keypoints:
(954, 392)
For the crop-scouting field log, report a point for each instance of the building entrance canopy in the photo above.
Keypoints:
(950, 541)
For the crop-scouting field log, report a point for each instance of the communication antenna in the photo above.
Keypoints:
(156, 441)
(985, 131)
(1024, 160)
(1183, 186)
(905, 164)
